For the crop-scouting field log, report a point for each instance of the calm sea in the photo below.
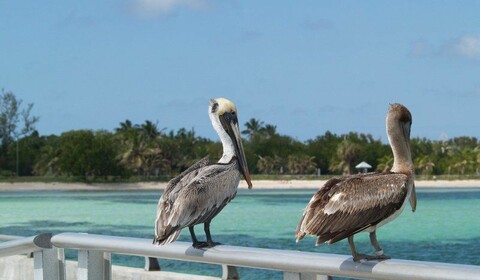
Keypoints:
(445, 227)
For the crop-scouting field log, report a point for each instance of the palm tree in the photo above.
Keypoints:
(301, 164)
(385, 163)
(425, 164)
(150, 130)
(253, 127)
(266, 164)
(124, 126)
(271, 165)
(152, 159)
(348, 153)
(269, 131)
(47, 164)
(466, 160)
(134, 149)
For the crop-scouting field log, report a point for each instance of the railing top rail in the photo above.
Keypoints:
(24, 245)
(282, 260)
(5, 237)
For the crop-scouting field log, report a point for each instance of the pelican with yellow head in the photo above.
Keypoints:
(199, 193)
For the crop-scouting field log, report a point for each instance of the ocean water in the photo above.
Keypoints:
(445, 227)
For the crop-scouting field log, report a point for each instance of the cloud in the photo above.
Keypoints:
(467, 46)
(153, 8)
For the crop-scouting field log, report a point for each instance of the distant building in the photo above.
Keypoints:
(363, 167)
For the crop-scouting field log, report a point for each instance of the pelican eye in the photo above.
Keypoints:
(214, 107)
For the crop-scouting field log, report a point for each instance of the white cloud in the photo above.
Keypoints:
(467, 46)
(152, 8)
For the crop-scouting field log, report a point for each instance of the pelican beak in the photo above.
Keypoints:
(230, 124)
(413, 199)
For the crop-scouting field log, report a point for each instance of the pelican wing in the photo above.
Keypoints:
(202, 195)
(350, 204)
(177, 183)
(165, 204)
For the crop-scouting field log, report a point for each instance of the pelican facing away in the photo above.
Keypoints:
(348, 205)
(199, 193)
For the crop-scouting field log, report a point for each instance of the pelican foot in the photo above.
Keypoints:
(359, 257)
(213, 244)
(381, 257)
(365, 257)
(199, 245)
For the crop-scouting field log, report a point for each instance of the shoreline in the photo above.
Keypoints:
(259, 185)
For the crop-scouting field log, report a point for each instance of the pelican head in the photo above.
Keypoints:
(223, 115)
(400, 114)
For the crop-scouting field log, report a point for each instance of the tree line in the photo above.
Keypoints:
(143, 150)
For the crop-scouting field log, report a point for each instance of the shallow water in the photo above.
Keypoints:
(445, 227)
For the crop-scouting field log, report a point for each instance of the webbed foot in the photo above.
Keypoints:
(213, 244)
(382, 257)
(359, 257)
(199, 245)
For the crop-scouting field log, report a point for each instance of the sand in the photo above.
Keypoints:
(257, 184)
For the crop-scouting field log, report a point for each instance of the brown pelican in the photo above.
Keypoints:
(348, 205)
(199, 193)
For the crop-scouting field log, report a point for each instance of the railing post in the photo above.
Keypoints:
(48, 264)
(291, 275)
(151, 264)
(229, 272)
(94, 265)
(304, 276)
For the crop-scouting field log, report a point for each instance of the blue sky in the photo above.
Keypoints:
(304, 66)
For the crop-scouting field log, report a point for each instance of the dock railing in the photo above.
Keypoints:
(48, 262)
(94, 259)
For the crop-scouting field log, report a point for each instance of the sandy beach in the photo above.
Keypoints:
(259, 184)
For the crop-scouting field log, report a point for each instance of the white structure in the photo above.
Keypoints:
(363, 166)
(94, 259)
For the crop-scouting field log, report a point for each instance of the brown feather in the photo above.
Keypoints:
(356, 203)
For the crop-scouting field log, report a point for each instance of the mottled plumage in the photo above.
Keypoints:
(195, 197)
(199, 193)
(348, 205)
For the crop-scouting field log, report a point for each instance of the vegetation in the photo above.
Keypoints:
(142, 151)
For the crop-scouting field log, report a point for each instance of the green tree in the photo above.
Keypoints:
(14, 123)
(269, 131)
(424, 165)
(30, 147)
(252, 128)
(323, 148)
(271, 165)
(347, 154)
(86, 153)
(385, 163)
(301, 164)
(48, 157)
(140, 149)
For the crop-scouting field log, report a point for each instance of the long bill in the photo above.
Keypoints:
(231, 126)
(413, 194)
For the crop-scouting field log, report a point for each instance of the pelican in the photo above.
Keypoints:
(199, 193)
(348, 205)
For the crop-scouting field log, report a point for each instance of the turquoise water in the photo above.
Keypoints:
(445, 227)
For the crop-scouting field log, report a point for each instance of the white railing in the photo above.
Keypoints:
(48, 262)
(94, 260)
